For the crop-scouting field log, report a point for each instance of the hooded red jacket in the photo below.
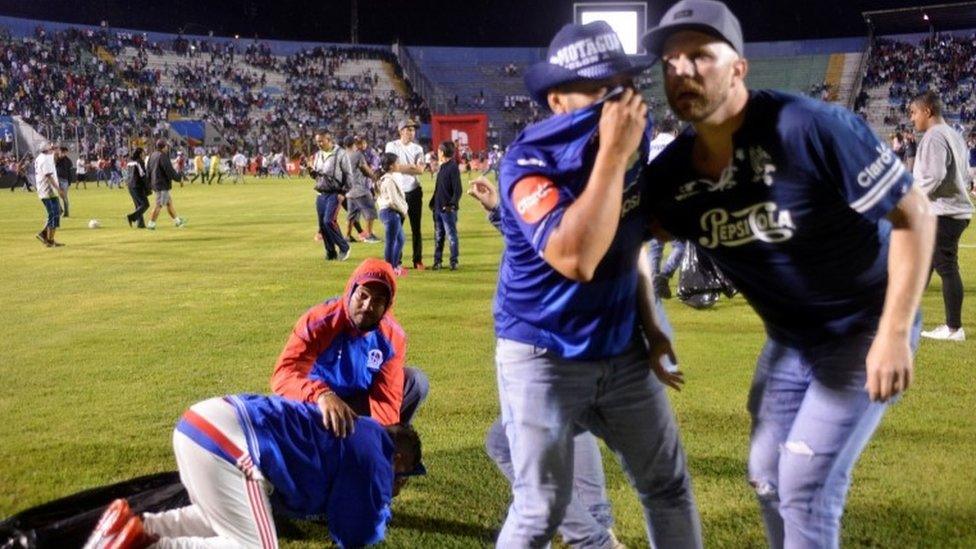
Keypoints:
(326, 352)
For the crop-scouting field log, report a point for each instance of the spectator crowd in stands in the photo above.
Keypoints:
(82, 85)
(944, 63)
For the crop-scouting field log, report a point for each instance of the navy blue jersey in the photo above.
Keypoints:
(542, 173)
(349, 481)
(797, 221)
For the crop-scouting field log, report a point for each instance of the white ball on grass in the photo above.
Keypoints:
(94, 224)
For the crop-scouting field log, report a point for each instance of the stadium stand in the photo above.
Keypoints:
(903, 66)
(490, 79)
(95, 88)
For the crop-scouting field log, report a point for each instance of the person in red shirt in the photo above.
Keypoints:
(348, 356)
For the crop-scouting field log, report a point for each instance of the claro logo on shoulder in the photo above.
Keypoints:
(534, 197)
(762, 222)
(881, 165)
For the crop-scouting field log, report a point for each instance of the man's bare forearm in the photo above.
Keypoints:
(909, 256)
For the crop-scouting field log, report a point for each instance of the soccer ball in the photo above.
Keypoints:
(94, 224)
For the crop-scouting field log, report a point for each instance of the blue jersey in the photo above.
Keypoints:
(797, 221)
(542, 173)
(315, 474)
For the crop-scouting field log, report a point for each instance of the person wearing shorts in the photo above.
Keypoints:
(161, 177)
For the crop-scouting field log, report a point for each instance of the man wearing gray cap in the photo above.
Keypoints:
(815, 221)
(409, 166)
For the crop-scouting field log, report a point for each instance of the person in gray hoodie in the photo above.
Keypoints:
(941, 172)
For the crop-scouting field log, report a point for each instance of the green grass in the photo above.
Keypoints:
(107, 340)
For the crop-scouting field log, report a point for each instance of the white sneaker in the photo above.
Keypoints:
(944, 333)
(614, 542)
(346, 255)
(151, 225)
(179, 222)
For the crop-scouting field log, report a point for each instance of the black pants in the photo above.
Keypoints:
(945, 261)
(415, 209)
(141, 202)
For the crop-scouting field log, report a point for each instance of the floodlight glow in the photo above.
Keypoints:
(624, 23)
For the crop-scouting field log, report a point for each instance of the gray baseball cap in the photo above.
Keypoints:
(707, 16)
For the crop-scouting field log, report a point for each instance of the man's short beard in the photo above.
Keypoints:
(697, 112)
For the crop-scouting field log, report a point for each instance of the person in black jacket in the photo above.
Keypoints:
(161, 176)
(447, 194)
(65, 171)
(138, 188)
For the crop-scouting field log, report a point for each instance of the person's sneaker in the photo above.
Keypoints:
(151, 225)
(43, 238)
(454, 266)
(56, 244)
(132, 536)
(400, 272)
(946, 334)
(112, 521)
(614, 542)
(436, 267)
(371, 239)
(661, 287)
(419, 266)
(179, 222)
(345, 256)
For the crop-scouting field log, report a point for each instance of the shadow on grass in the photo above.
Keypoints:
(450, 527)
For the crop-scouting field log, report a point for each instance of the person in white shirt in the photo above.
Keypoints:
(48, 190)
(240, 164)
(409, 165)
(81, 168)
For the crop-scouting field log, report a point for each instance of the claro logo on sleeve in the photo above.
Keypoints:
(534, 197)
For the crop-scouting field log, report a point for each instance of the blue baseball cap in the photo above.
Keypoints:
(577, 53)
(707, 16)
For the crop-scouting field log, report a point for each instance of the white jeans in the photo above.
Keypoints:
(229, 508)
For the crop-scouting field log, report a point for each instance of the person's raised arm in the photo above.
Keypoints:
(589, 224)
(889, 361)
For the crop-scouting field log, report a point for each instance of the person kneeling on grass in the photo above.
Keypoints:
(392, 204)
(240, 456)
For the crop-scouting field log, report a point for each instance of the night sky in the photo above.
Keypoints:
(422, 22)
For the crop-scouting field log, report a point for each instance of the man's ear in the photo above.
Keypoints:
(740, 68)
(555, 102)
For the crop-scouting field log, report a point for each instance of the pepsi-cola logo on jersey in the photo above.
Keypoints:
(534, 197)
(762, 222)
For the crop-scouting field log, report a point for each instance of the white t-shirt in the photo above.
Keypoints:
(240, 160)
(44, 166)
(659, 143)
(82, 167)
(411, 153)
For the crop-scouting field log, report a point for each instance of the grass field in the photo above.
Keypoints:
(107, 340)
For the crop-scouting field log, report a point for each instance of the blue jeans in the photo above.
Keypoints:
(53, 209)
(588, 515)
(544, 398)
(327, 206)
(393, 245)
(674, 259)
(445, 222)
(811, 418)
(64, 185)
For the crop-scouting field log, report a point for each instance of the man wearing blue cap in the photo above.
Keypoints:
(815, 221)
(574, 349)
